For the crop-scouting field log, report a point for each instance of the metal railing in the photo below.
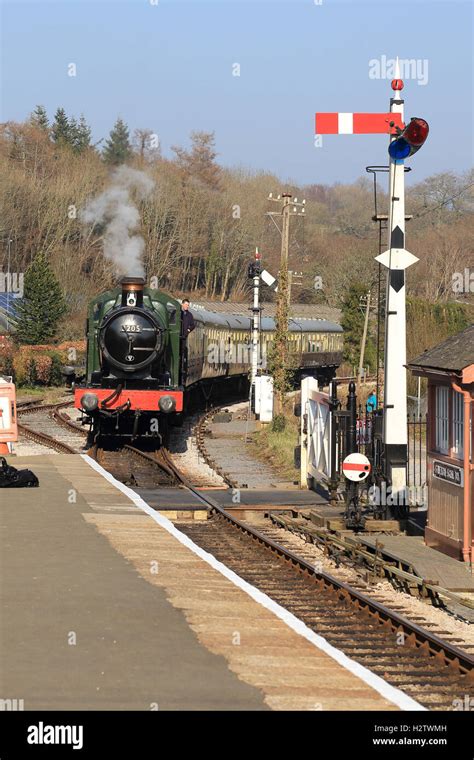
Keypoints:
(416, 465)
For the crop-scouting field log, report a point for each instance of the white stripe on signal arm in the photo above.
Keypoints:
(346, 123)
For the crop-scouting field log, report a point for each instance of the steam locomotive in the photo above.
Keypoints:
(141, 374)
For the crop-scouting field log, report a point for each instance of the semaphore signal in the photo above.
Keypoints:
(405, 140)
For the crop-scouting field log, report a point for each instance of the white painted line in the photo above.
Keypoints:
(397, 697)
(345, 123)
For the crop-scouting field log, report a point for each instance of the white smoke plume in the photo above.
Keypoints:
(115, 208)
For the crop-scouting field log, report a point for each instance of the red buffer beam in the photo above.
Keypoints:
(357, 123)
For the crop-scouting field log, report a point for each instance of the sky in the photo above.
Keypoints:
(252, 71)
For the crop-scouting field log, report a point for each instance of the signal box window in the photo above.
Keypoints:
(458, 425)
(442, 419)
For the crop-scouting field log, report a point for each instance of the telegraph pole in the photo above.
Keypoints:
(364, 338)
(288, 208)
(294, 280)
(285, 232)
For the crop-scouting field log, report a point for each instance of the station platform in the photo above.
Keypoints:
(108, 606)
(411, 554)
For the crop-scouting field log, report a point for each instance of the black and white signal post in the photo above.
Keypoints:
(254, 273)
(404, 141)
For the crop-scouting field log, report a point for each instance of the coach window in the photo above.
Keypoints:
(458, 425)
(442, 419)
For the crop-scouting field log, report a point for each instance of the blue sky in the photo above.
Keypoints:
(169, 67)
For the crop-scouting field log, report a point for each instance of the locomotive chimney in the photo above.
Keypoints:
(132, 291)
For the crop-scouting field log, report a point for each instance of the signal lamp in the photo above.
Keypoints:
(254, 269)
(409, 140)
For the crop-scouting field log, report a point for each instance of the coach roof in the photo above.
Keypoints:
(236, 322)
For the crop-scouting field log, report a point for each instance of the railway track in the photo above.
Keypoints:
(202, 428)
(135, 468)
(428, 668)
(349, 552)
(150, 469)
(49, 427)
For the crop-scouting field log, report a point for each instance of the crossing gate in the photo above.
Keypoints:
(315, 434)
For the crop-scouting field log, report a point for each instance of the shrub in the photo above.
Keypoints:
(6, 358)
(56, 375)
(278, 423)
(43, 368)
(38, 365)
(31, 375)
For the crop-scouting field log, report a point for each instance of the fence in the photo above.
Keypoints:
(322, 418)
(416, 470)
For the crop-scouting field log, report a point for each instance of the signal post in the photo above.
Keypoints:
(404, 142)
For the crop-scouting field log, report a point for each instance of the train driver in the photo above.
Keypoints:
(187, 319)
(187, 326)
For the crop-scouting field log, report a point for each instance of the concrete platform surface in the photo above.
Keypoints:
(103, 608)
(80, 629)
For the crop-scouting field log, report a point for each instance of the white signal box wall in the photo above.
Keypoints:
(264, 397)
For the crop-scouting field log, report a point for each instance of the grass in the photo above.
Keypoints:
(277, 449)
(50, 395)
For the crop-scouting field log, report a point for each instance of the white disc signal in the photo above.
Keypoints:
(356, 467)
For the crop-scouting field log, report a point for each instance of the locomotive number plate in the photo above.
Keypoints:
(131, 328)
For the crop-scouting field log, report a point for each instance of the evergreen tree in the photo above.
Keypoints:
(117, 148)
(42, 305)
(39, 118)
(61, 129)
(81, 135)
